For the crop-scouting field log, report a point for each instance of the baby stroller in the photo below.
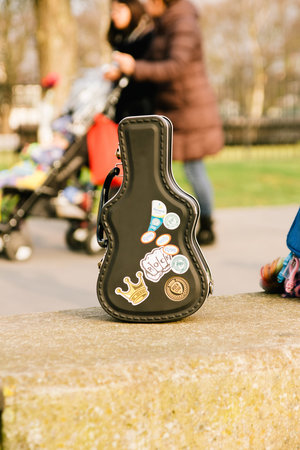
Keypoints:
(93, 141)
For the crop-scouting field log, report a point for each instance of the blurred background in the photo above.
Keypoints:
(251, 46)
(252, 53)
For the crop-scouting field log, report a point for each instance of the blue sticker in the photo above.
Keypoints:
(158, 212)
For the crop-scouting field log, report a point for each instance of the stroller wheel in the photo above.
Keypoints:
(17, 246)
(72, 240)
(91, 245)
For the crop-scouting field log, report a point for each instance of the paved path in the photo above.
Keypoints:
(56, 278)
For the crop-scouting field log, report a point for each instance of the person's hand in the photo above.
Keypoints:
(125, 62)
(112, 72)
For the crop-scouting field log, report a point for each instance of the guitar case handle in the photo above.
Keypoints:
(103, 199)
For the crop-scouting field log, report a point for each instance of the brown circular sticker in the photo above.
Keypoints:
(177, 289)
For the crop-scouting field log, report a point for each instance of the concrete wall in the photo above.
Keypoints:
(227, 377)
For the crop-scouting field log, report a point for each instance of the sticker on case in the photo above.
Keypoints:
(180, 264)
(136, 292)
(158, 212)
(171, 221)
(162, 240)
(171, 249)
(148, 237)
(177, 289)
(156, 264)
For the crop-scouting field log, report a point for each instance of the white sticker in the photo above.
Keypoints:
(180, 264)
(158, 209)
(171, 221)
(156, 264)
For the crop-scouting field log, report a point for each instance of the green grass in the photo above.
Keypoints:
(7, 159)
(242, 176)
(243, 179)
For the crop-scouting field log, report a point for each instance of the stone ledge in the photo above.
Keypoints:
(227, 377)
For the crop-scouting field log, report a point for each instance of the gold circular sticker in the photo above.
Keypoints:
(177, 289)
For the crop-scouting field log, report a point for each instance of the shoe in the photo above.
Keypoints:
(206, 235)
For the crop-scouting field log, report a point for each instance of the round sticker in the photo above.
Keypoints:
(180, 264)
(164, 239)
(171, 249)
(171, 221)
(177, 289)
(147, 237)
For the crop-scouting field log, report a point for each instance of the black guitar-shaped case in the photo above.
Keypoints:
(153, 269)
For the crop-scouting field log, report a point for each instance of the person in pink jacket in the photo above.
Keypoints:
(175, 64)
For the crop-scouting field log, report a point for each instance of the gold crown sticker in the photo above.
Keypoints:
(137, 292)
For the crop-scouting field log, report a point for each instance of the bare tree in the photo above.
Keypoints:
(93, 48)
(252, 48)
(16, 25)
(57, 43)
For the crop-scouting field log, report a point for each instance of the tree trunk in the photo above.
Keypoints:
(259, 77)
(57, 44)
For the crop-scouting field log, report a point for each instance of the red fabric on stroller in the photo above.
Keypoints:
(102, 142)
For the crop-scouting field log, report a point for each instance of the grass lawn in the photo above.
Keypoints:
(7, 159)
(243, 179)
(243, 176)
